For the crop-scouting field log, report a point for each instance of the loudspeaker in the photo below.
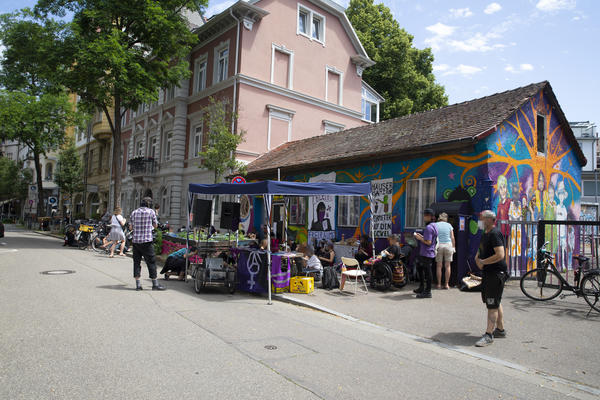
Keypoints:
(202, 211)
(230, 216)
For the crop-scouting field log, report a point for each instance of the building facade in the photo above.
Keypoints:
(287, 69)
(587, 136)
(512, 152)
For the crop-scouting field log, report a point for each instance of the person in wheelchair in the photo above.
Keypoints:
(382, 271)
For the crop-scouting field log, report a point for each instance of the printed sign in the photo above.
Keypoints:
(238, 179)
(252, 271)
(461, 224)
(321, 212)
(382, 190)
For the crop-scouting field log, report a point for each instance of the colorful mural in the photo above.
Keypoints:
(504, 173)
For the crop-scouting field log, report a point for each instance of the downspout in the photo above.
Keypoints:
(235, 72)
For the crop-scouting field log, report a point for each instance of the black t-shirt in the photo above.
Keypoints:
(394, 250)
(488, 242)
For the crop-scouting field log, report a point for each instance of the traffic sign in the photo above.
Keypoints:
(52, 200)
(238, 179)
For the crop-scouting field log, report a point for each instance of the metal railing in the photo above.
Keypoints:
(142, 166)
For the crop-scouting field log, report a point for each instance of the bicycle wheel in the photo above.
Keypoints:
(590, 290)
(541, 284)
(97, 243)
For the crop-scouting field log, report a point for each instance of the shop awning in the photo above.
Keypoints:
(284, 188)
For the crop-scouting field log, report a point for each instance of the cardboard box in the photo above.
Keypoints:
(302, 284)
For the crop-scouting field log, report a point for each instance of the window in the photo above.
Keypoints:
(303, 21)
(333, 85)
(197, 142)
(9, 156)
(139, 151)
(200, 75)
(297, 211)
(541, 134)
(153, 146)
(279, 128)
(311, 24)
(164, 197)
(100, 157)
(221, 63)
(420, 194)
(168, 146)
(370, 105)
(590, 188)
(169, 93)
(90, 163)
(348, 210)
(332, 127)
(282, 66)
(49, 171)
(317, 28)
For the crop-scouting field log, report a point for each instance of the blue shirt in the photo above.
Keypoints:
(444, 232)
(179, 253)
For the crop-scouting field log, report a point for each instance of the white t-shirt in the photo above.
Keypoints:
(117, 222)
(314, 263)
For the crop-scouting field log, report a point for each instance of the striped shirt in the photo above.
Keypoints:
(143, 220)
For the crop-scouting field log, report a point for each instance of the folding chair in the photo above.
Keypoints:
(353, 273)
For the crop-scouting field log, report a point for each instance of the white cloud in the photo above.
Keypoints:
(493, 8)
(521, 68)
(218, 8)
(460, 12)
(461, 69)
(441, 30)
(555, 5)
(478, 42)
(526, 67)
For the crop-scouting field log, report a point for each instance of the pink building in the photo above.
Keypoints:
(291, 69)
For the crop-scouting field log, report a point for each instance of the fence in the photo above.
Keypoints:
(565, 239)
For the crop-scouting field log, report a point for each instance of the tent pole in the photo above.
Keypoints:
(371, 222)
(187, 234)
(268, 202)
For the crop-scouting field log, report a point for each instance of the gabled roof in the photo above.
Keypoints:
(340, 12)
(453, 127)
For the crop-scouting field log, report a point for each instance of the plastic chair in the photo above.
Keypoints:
(353, 273)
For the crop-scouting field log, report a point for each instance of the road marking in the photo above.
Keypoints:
(9, 251)
(493, 360)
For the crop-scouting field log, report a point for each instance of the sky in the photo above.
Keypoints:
(483, 47)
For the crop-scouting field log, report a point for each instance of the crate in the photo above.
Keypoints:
(302, 284)
(86, 228)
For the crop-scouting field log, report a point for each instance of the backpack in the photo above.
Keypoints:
(329, 280)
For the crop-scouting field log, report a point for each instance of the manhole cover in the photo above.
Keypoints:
(270, 347)
(58, 272)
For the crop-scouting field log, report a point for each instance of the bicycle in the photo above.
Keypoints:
(546, 283)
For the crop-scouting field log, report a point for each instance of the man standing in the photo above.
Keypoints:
(490, 259)
(144, 220)
(426, 254)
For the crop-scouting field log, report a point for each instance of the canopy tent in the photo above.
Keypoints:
(268, 189)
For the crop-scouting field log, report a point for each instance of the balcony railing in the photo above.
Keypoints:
(142, 167)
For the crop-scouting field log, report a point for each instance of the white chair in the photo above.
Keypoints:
(353, 273)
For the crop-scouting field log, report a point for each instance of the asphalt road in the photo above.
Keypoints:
(89, 335)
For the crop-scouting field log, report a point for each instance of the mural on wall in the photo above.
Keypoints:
(504, 173)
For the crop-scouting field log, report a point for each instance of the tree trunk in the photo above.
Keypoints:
(116, 153)
(41, 211)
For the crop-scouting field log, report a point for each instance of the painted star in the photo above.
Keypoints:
(513, 147)
(499, 144)
(451, 175)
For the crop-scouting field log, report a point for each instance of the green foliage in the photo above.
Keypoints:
(158, 242)
(68, 175)
(116, 54)
(14, 180)
(219, 155)
(403, 74)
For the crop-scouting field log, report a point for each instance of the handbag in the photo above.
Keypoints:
(471, 282)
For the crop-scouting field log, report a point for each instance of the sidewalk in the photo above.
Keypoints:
(553, 337)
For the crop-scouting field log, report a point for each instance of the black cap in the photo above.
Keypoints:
(428, 211)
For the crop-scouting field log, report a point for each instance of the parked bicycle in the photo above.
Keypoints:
(546, 283)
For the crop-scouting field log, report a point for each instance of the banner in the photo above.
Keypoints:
(252, 271)
(382, 190)
(321, 212)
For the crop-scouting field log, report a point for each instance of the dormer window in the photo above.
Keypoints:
(311, 24)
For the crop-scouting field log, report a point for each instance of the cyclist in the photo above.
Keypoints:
(490, 259)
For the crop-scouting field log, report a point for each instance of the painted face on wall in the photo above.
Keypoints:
(541, 182)
(502, 187)
(515, 191)
(561, 193)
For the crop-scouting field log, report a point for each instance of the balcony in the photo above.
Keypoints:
(142, 169)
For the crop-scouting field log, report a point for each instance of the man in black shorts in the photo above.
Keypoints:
(490, 259)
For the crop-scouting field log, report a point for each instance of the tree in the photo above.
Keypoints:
(219, 155)
(69, 173)
(117, 55)
(403, 74)
(14, 180)
(37, 122)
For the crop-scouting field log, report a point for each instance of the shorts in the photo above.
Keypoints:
(492, 286)
(445, 251)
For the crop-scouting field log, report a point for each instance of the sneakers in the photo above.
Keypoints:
(424, 295)
(418, 290)
(485, 340)
(138, 288)
(159, 287)
(499, 333)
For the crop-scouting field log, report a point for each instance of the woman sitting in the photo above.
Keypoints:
(365, 250)
(313, 265)
(176, 262)
(327, 255)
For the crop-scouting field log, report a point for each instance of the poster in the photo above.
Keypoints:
(321, 212)
(382, 207)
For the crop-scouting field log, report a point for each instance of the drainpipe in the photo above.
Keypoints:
(235, 76)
